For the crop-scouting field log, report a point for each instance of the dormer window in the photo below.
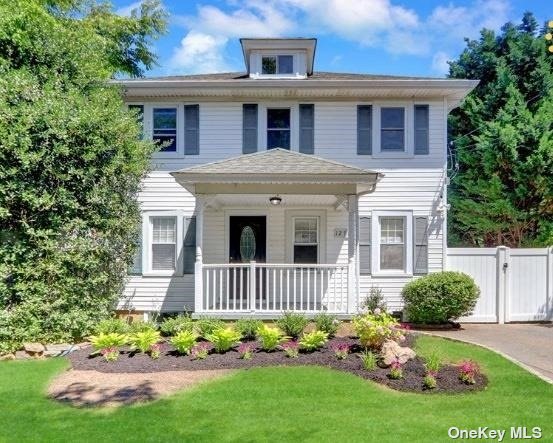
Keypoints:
(279, 64)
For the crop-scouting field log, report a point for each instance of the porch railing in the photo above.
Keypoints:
(267, 287)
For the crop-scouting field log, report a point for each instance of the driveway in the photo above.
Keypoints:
(530, 344)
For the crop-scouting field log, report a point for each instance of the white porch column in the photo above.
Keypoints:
(353, 247)
(198, 267)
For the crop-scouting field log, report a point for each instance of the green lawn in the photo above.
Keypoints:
(281, 404)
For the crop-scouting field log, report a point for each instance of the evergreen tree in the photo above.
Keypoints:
(502, 137)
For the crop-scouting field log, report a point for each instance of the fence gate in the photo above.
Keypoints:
(515, 284)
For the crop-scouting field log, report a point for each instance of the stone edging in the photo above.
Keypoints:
(489, 348)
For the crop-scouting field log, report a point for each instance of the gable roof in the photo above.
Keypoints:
(281, 162)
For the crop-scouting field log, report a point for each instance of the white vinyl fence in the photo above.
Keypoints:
(515, 284)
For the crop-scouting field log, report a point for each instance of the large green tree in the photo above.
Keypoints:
(502, 138)
(71, 162)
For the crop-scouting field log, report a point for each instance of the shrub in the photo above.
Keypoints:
(270, 337)
(291, 349)
(184, 341)
(313, 340)
(108, 344)
(144, 340)
(374, 301)
(369, 360)
(327, 323)
(468, 371)
(112, 325)
(248, 327)
(246, 350)
(341, 350)
(201, 351)
(433, 363)
(374, 329)
(155, 350)
(440, 297)
(142, 326)
(173, 325)
(292, 323)
(396, 371)
(224, 338)
(429, 381)
(207, 325)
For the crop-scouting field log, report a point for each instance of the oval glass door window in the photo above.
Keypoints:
(247, 244)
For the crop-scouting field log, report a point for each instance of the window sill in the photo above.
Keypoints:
(161, 274)
(381, 154)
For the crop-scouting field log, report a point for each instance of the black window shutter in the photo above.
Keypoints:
(364, 130)
(191, 129)
(189, 246)
(365, 245)
(422, 130)
(307, 129)
(420, 245)
(249, 128)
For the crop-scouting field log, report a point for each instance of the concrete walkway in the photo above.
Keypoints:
(530, 344)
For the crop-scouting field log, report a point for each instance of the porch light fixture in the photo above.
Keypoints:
(275, 200)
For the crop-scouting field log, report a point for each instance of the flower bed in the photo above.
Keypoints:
(413, 371)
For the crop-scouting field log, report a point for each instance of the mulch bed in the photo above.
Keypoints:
(412, 381)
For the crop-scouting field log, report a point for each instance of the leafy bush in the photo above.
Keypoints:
(374, 301)
(313, 340)
(270, 337)
(369, 360)
(108, 344)
(144, 340)
(200, 351)
(224, 338)
(429, 381)
(292, 323)
(206, 325)
(113, 324)
(173, 325)
(468, 370)
(327, 323)
(248, 327)
(142, 326)
(374, 329)
(396, 371)
(155, 350)
(71, 162)
(291, 349)
(184, 341)
(341, 350)
(440, 297)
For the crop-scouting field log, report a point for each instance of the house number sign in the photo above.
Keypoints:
(340, 232)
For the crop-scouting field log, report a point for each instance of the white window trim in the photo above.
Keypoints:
(318, 231)
(409, 137)
(262, 123)
(147, 244)
(375, 244)
(299, 64)
(291, 215)
(149, 127)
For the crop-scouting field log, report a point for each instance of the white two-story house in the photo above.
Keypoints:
(283, 188)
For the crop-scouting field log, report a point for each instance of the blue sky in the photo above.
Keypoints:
(374, 36)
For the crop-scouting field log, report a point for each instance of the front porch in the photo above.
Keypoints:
(281, 240)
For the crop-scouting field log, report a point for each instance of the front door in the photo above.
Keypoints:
(247, 242)
(247, 238)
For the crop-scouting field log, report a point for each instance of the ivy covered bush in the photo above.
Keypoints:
(440, 297)
(71, 162)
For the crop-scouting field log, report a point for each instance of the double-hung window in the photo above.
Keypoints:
(392, 129)
(278, 128)
(306, 240)
(164, 243)
(277, 64)
(164, 130)
(392, 243)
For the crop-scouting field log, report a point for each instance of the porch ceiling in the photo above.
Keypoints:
(277, 171)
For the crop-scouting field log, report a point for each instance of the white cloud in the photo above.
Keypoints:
(199, 53)
(439, 63)
(125, 11)
(376, 23)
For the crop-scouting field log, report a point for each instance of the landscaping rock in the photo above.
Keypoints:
(22, 355)
(34, 348)
(7, 357)
(392, 352)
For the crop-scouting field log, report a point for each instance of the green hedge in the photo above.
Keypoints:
(440, 297)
